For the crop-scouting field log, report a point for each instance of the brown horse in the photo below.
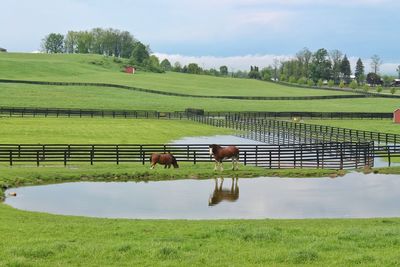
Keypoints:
(164, 159)
(221, 194)
(221, 153)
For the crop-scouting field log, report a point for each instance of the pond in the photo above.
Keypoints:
(353, 196)
(216, 139)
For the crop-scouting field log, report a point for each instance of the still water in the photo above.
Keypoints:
(352, 196)
(217, 139)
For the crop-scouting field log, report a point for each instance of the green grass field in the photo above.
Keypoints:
(20, 95)
(36, 239)
(81, 68)
(100, 130)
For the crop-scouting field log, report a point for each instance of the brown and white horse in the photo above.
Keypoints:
(164, 159)
(220, 153)
(221, 194)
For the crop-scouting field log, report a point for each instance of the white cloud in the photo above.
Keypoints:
(234, 62)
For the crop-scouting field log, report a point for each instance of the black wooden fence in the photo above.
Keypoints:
(323, 155)
(159, 92)
(71, 112)
(292, 132)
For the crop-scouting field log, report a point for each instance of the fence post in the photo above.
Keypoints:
(270, 159)
(389, 156)
(117, 154)
(256, 155)
(341, 156)
(245, 158)
(11, 158)
(65, 158)
(37, 158)
(294, 159)
(279, 156)
(91, 156)
(194, 157)
(144, 157)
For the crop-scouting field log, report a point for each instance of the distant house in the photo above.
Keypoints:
(3, 49)
(395, 82)
(130, 69)
(396, 116)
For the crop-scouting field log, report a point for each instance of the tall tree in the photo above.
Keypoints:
(177, 67)
(304, 56)
(373, 79)
(336, 58)
(376, 62)
(320, 65)
(359, 73)
(345, 69)
(53, 43)
(71, 42)
(398, 71)
(193, 68)
(166, 65)
(139, 53)
(223, 70)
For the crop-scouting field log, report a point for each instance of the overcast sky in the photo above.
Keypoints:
(238, 30)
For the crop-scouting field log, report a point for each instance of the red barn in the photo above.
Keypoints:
(130, 69)
(396, 116)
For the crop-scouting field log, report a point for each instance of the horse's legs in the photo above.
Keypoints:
(152, 166)
(165, 166)
(215, 165)
(222, 167)
(233, 163)
(222, 181)
(237, 163)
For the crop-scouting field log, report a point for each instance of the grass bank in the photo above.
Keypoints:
(37, 239)
(100, 130)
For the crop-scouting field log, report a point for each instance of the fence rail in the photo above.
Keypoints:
(181, 94)
(323, 155)
(292, 132)
(69, 112)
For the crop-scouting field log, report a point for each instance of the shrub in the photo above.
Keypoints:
(302, 81)
(379, 88)
(331, 83)
(310, 83)
(341, 84)
(292, 79)
(393, 90)
(320, 83)
(353, 84)
(366, 88)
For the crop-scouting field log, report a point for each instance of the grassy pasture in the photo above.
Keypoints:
(22, 95)
(99, 130)
(49, 240)
(94, 68)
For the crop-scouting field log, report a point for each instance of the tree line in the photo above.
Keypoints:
(108, 42)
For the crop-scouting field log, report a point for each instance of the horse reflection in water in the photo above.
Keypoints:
(220, 194)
